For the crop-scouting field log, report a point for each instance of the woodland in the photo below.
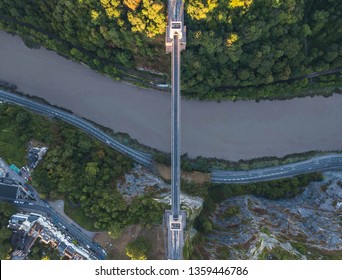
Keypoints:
(236, 49)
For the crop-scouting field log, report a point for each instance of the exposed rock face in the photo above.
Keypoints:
(307, 226)
(141, 181)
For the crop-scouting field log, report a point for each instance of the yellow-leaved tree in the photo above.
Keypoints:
(150, 20)
(138, 249)
(132, 4)
(198, 9)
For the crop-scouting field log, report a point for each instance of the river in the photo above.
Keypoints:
(229, 130)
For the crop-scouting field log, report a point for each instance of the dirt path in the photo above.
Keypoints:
(233, 131)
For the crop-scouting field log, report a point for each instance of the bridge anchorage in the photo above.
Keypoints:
(175, 42)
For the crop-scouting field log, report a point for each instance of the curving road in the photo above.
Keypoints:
(142, 158)
(322, 163)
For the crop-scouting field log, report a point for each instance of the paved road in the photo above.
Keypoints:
(327, 162)
(139, 157)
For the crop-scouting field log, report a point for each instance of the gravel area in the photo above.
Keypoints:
(233, 131)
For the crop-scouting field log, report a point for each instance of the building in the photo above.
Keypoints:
(27, 228)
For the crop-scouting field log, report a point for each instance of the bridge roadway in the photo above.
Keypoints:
(175, 127)
(176, 217)
(320, 163)
(140, 157)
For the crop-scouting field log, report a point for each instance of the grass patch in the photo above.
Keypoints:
(314, 253)
(277, 253)
(78, 215)
(266, 231)
(300, 247)
(317, 254)
(11, 148)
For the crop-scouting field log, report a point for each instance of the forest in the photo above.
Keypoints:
(76, 168)
(236, 49)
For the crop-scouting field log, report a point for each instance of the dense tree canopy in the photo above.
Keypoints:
(138, 249)
(6, 211)
(231, 44)
(79, 169)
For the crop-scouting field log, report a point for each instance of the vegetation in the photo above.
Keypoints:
(223, 253)
(78, 215)
(78, 169)
(314, 253)
(138, 249)
(277, 189)
(277, 253)
(283, 188)
(41, 251)
(231, 212)
(11, 146)
(207, 164)
(236, 49)
(6, 211)
(194, 189)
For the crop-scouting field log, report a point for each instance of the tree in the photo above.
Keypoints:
(5, 234)
(132, 4)
(115, 230)
(240, 3)
(151, 20)
(138, 249)
(198, 10)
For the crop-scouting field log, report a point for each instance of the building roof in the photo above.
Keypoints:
(8, 191)
(14, 168)
(33, 218)
(62, 246)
